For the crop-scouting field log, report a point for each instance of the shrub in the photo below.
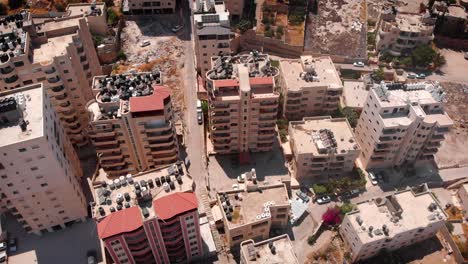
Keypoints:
(244, 25)
(112, 16)
(346, 208)
(121, 55)
(320, 189)
(378, 75)
(269, 33)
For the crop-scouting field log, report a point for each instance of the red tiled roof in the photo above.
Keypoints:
(226, 83)
(151, 102)
(126, 220)
(261, 80)
(177, 203)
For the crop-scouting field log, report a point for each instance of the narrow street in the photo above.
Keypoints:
(194, 141)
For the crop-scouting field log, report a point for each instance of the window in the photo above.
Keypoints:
(22, 150)
(44, 184)
(34, 168)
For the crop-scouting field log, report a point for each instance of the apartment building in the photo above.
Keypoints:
(58, 53)
(235, 8)
(274, 250)
(243, 103)
(310, 86)
(401, 123)
(148, 7)
(400, 33)
(212, 32)
(391, 222)
(40, 172)
(150, 217)
(251, 213)
(322, 147)
(131, 123)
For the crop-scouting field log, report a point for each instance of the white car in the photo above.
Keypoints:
(145, 43)
(372, 178)
(235, 186)
(412, 75)
(324, 200)
(177, 28)
(359, 64)
(241, 178)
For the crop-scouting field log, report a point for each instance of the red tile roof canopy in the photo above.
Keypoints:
(153, 102)
(174, 204)
(119, 222)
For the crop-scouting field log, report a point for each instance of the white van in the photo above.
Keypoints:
(199, 109)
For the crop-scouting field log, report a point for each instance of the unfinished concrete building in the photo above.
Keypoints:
(243, 103)
(401, 123)
(310, 86)
(400, 33)
(40, 173)
(131, 123)
(58, 53)
(212, 32)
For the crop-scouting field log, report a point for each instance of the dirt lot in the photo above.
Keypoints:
(453, 151)
(163, 54)
(455, 68)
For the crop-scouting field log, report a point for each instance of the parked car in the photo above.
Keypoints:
(324, 200)
(200, 118)
(92, 257)
(421, 76)
(235, 186)
(12, 244)
(303, 196)
(359, 64)
(412, 75)
(177, 28)
(372, 178)
(145, 43)
(241, 178)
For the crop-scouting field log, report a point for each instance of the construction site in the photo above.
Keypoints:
(339, 27)
(453, 151)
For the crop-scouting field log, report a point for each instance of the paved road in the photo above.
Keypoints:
(194, 140)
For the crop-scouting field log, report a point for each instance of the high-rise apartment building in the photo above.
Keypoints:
(150, 217)
(212, 32)
(250, 213)
(274, 250)
(391, 222)
(40, 172)
(402, 32)
(131, 123)
(58, 53)
(310, 86)
(243, 103)
(401, 123)
(322, 147)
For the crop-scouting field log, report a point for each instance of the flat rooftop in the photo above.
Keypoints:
(310, 135)
(31, 99)
(224, 67)
(339, 28)
(61, 23)
(411, 23)
(205, 17)
(398, 94)
(456, 11)
(354, 94)
(54, 47)
(411, 6)
(261, 252)
(106, 190)
(12, 37)
(322, 72)
(402, 212)
(251, 204)
(86, 9)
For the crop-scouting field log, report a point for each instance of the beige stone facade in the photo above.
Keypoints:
(250, 213)
(58, 53)
(404, 32)
(243, 103)
(401, 123)
(40, 173)
(392, 222)
(131, 123)
(212, 32)
(463, 195)
(148, 7)
(274, 250)
(310, 86)
(322, 147)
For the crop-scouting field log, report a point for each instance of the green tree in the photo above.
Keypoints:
(319, 189)
(350, 114)
(112, 16)
(121, 55)
(378, 75)
(346, 208)
(60, 7)
(269, 33)
(423, 55)
(244, 25)
(439, 60)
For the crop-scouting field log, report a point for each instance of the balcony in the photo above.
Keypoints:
(161, 144)
(11, 79)
(219, 115)
(7, 70)
(50, 70)
(170, 150)
(160, 136)
(218, 106)
(220, 128)
(117, 156)
(67, 114)
(437, 138)
(109, 148)
(53, 79)
(57, 90)
(267, 119)
(165, 158)
(430, 150)
(221, 135)
(111, 164)
(220, 121)
(266, 139)
(104, 142)
(102, 134)
(164, 127)
(383, 146)
(75, 128)
(64, 106)
(385, 138)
